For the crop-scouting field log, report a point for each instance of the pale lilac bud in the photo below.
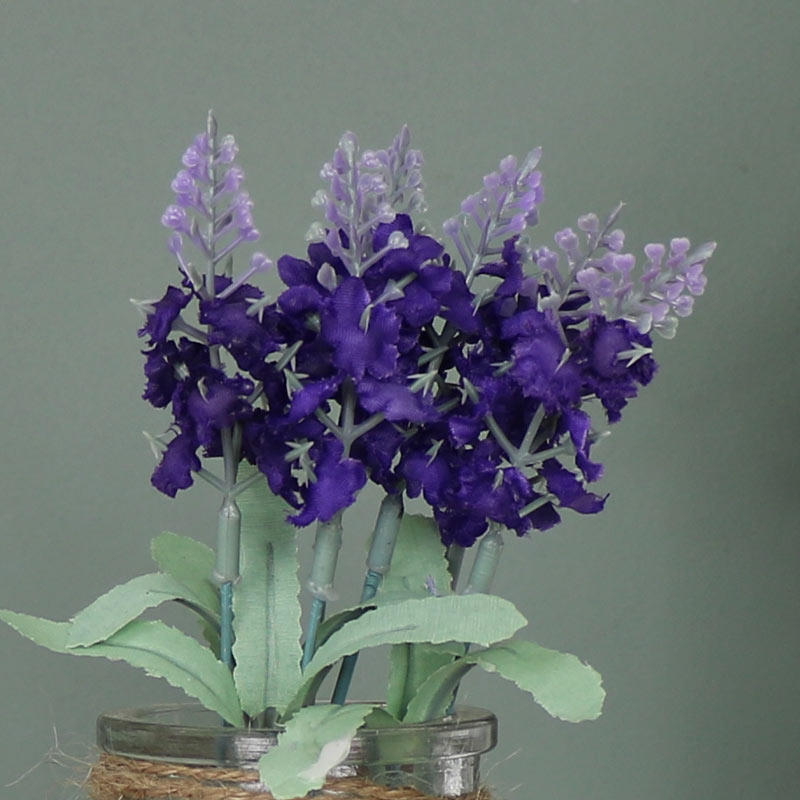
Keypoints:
(370, 160)
(326, 277)
(315, 233)
(567, 240)
(339, 190)
(614, 241)
(385, 213)
(175, 244)
(233, 179)
(196, 162)
(228, 150)
(319, 199)
(176, 218)
(349, 143)
(397, 241)
(469, 205)
(260, 262)
(340, 163)
(678, 248)
(492, 181)
(250, 234)
(183, 184)
(417, 203)
(508, 168)
(624, 264)
(589, 223)
(655, 253)
(683, 306)
(413, 160)
(452, 226)
(327, 172)
(403, 138)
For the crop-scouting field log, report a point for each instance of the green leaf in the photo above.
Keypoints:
(478, 618)
(266, 610)
(561, 683)
(162, 651)
(398, 669)
(191, 563)
(117, 607)
(316, 740)
(433, 697)
(418, 563)
(423, 661)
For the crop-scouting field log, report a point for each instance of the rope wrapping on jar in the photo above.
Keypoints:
(117, 778)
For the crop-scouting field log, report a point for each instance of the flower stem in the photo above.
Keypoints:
(327, 544)
(482, 575)
(384, 538)
(455, 560)
(226, 624)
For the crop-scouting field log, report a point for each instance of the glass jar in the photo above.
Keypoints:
(439, 759)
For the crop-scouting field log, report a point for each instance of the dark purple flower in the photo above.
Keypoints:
(165, 311)
(361, 343)
(569, 490)
(338, 481)
(174, 472)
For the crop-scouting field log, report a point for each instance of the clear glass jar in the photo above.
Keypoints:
(440, 758)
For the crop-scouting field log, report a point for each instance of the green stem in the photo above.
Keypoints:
(384, 538)
(482, 575)
(226, 624)
(327, 543)
(455, 560)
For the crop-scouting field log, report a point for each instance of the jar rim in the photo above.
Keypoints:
(188, 733)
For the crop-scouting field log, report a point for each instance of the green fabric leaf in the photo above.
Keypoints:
(162, 651)
(316, 740)
(398, 669)
(191, 563)
(433, 697)
(117, 607)
(423, 661)
(418, 563)
(477, 618)
(561, 683)
(266, 610)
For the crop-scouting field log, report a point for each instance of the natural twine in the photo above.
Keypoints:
(116, 778)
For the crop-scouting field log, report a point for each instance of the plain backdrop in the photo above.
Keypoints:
(684, 593)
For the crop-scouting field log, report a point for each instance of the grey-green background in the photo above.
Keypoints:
(684, 593)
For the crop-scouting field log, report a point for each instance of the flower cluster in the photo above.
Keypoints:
(469, 380)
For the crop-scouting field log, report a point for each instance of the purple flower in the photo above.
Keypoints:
(338, 481)
(177, 464)
(360, 344)
(165, 312)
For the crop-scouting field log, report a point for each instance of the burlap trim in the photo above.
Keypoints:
(115, 778)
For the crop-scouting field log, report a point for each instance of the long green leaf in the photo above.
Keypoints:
(434, 696)
(191, 563)
(316, 740)
(477, 618)
(160, 650)
(266, 610)
(117, 607)
(419, 566)
(561, 683)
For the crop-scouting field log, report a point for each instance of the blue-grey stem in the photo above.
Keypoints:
(226, 570)
(379, 559)
(486, 560)
(226, 624)
(482, 574)
(455, 560)
(327, 543)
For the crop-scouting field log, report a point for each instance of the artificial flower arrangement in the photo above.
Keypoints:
(462, 368)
